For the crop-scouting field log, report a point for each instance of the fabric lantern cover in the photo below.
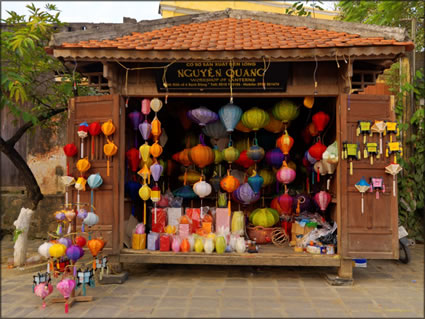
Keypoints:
(94, 130)
(70, 150)
(229, 184)
(312, 129)
(256, 182)
(242, 128)
(285, 143)
(156, 171)
(285, 174)
(255, 118)
(202, 116)
(94, 181)
(275, 205)
(218, 155)
(215, 130)
(244, 160)
(230, 115)
(110, 149)
(285, 111)
(145, 129)
(275, 157)
(133, 158)
(156, 104)
(285, 203)
(317, 150)
(135, 118)
(274, 125)
(145, 194)
(255, 152)
(156, 128)
(83, 165)
(146, 106)
(144, 151)
(322, 200)
(320, 120)
(201, 155)
(267, 176)
(230, 154)
(155, 150)
(66, 286)
(245, 195)
(108, 128)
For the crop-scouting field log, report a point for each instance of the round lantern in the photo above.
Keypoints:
(308, 102)
(285, 203)
(156, 104)
(202, 189)
(202, 116)
(274, 126)
(80, 241)
(91, 219)
(285, 111)
(215, 130)
(83, 165)
(312, 129)
(245, 195)
(255, 152)
(230, 114)
(145, 194)
(255, 118)
(133, 158)
(108, 128)
(267, 176)
(230, 154)
(155, 150)
(242, 128)
(43, 250)
(229, 184)
(285, 174)
(110, 149)
(244, 160)
(201, 155)
(317, 150)
(57, 250)
(275, 157)
(320, 120)
(70, 150)
(94, 130)
(285, 143)
(146, 106)
(322, 200)
(275, 205)
(218, 155)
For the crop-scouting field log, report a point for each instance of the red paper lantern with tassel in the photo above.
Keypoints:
(70, 150)
(317, 150)
(94, 130)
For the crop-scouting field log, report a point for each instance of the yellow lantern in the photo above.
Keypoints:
(110, 149)
(156, 128)
(156, 149)
(145, 194)
(231, 154)
(144, 151)
(274, 126)
(108, 128)
(148, 163)
(156, 104)
(57, 250)
(255, 118)
(80, 184)
(268, 177)
(308, 102)
(83, 165)
(218, 155)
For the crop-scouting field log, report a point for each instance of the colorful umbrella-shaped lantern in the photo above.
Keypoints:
(320, 120)
(379, 127)
(43, 290)
(94, 130)
(70, 150)
(230, 115)
(94, 181)
(245, 195)
(229, 184)
(145, 129)
(202, 116)
(285, 111)
(275, 157)
(136, 118)
(256, 181)
(393, 169)
(82, 132)
(362, 186)
(66, 286)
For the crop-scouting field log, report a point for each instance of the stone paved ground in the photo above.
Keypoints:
(383, 289)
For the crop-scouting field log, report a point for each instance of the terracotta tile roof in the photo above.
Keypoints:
(231, 34)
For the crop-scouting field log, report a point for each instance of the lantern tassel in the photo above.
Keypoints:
(66, 306)
(351, 167)
(394, 186)
(107, 167)
(144, 212)
(84, 289)
(94, 264)
(82, 148)
(44, 304)
(91, 198)
(229, 206)
(380, 143)
(92, 146)
(75, 270)
(66, 196)
(362, 204)
(298, 210)
(328, 184)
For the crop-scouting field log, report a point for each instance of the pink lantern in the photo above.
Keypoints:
(285, 174)
(43, 290)
(285, 203)
(66, 286)
(146, 106)
(322, 199)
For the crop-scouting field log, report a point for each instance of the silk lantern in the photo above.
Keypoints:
(155, 197)
(285, 111)
(66, 286)
(275, 157)
(145, 173)
(201, 155)
(95, 246)
(144, 151)
(317, 150)
(320, 120)
(242, 128)
(155, 150)
(244, 160)
(229, 184)
(135, 118)
(285, 143)
(285, 175)
(43, 290)
(268, 177)
(94, 181)
(80, 241)
(94, 130)
(156, 128)
(202, 189)
(145, 129)
(83, 165)
(91, 220)
(202, 116)
(275, 205)
(146, 107)
(108, 128)
(256, 182)
(156, 171)
(215, 130)
(82, 133)
(319, 168)
(230, 115)
(255, 118)
(70, 150)
(322, 200)
(145, 194)
(74, 253)
(245, 195)
(110, 149)
(82, 214)
(285, 202)
(274, 125)
(133, 159)
(156, 105)
(57, 250)
(308, 102)
(230, 154)
(255, 152)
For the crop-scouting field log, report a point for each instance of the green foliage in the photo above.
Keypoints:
(28, 87)
(394, 13)
(298, 8)
(412, 183)
(16, 234)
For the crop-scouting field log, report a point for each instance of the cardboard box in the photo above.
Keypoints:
(174, 215)
(297, 229)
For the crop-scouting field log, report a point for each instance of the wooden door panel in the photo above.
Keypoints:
(373, 233)
(91, 109)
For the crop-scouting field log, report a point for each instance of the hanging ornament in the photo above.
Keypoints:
(376, 185)
(82, 132)
(155, 197)
(285, 143)
(308, 102)
(133, 159)
(83, 165)
(69, 215)
(91, 220)
(82, 214)
(146, 107)
(320, 120)
(285, 175)
(312, 129)
(275, 157)
(319, 169)
(393, 148)
(202, 116)
(94, 130)
(145, 194)
(95, 246)
(244, 160)
(393, 169)
(242, 128)
(70, 150)
(156, 128)
(331, 153)
(371, 149)
(255, 152)
(74, 253)
(317, 150)
(94, 181)
(274, 125)
(362, 186)
(256, 182)
(364, 128)
(60, 217)
(185, 192)
(110, 149)
(201, 155)
(322, 200)
(230, 115)
(255, 118)
(229, 184)
(156, 105)
(285, 202)
(108, 128)
(155, 150)
(285, 111)
(67, 181)
(145, 129)
(156, 170)
(66, 286)
(392, 128)
(202, 189)
(144, 151)
(379, 127)
(145, 173)
(245, 195)
(43, 290)
(230, 154)
(135, 118)
(215, 130)
(351, 151)
(268, 177)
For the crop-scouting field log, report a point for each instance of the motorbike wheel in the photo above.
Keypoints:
(404, 254)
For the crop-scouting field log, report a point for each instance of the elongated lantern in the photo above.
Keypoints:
(146, 107)
(155, 198)
(285, 174)
(145, 194)
(145, 129)
(94, 181)
(322, 200)
(156, 128)
(255, 118)
(285, 143)
(320, 120)
(110, 149)
(156, 171)
(94, 130)
(82, 132)
(202, 116)
(70, 150)
(230, 115)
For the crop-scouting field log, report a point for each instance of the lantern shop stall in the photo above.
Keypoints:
(241, 139)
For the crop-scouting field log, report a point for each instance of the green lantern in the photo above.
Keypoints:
(255, 118)
(230, 154)
(285, 111)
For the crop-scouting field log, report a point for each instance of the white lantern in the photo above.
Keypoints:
(209, 245)
(319, 168)
(240, 245)
(156, 104)
(43, 250)
(202, 189)
(328, 167)
(91, 219)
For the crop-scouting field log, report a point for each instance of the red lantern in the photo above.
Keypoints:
(275, 205)
(285, 203)
(317, 150)
(133, 158)
(244, 160)
(285, 143)
(320, 120)
(70, 150)
(94, 130)
(80, 241)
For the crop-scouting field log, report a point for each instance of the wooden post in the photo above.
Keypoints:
(346, 269)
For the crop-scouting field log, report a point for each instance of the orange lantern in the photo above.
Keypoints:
(242, 128)
(110, 149)
(285, 143)
(95, 246)
(156, 149)
(156, 128)
(274, 126)
(229, 184)
(201, 155)
(312, 129)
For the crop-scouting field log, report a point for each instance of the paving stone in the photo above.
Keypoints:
(202, 313)
(264, 283)
(261, 292)
(236, 282)
(401, 314)
(135, 312)
(123, 290)
(292, 292)
(102, 311)
(173, 302)
(169, 313)
(144, 301)
(113, 300)
(350, 292)
(179, 292)
(207, 292)
(301, 312)
(366, 314)
(265, 303)
(268, 313)
(235, 292)
(235, 313)
(10, 298)
(152, 291)
(235, 302)
(204, 302)
(16, 312)
(333, 313)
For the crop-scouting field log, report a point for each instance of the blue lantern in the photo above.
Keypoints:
(256, 153)
(230, 114)
(255, 181)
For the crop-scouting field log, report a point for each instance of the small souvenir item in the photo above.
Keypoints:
(393, 169)
(377, 184)
(82, 132)
(392, 128)
(66, 286)
(43, 290)
(351, 151)
(364, 128)
(94, 130)
(371, 149)
(394, 148)
(362, 186)
(379, 127)
(70, 150)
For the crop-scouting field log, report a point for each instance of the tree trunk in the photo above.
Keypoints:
(22, 224)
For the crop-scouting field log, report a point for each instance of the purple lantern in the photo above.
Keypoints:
(275, 157)
(65, 241)
(156, 171)
(145, 129)
(135, 118)
(202, 116)
(74, 253)
(245, 195)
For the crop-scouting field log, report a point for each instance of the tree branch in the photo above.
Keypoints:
(15, 138)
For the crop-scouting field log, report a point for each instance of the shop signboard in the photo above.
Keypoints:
(219, 76)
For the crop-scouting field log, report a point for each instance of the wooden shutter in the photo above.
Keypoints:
(373, 234)
(106, 197)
